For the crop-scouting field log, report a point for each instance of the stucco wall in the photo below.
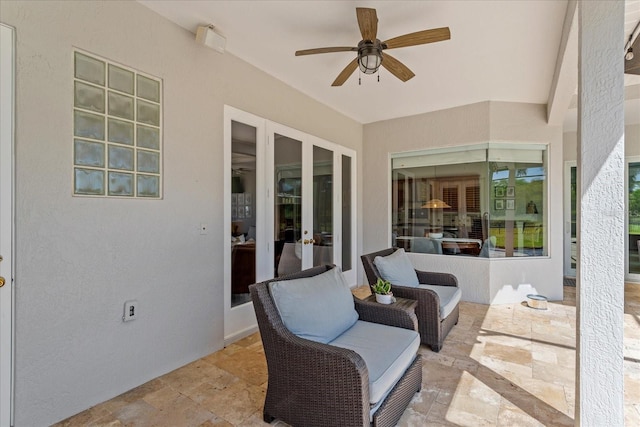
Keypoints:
(481, 280)
(79, 259)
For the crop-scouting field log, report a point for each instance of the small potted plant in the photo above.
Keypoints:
(382, 289)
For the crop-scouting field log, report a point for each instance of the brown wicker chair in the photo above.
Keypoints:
(315, 384)
(433, 329)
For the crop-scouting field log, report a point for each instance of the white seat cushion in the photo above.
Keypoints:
(387, 351)
(449, 297)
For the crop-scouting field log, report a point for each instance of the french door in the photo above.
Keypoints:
(632, 252)
(632, 221)
(312, 213)
(291, 206)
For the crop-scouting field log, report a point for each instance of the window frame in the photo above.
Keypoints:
(519, 157)
(138, 163)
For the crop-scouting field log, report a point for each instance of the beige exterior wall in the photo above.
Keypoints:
(79, 259)
(631, 146)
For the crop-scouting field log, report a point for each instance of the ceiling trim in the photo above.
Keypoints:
(565, 77)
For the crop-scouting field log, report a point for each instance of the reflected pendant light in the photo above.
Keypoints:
(435, 204)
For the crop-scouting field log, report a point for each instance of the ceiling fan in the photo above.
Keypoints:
(369, 49)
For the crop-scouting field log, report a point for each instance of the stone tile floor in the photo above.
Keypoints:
(504, 365)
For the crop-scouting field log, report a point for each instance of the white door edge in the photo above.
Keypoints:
(628, 275)
(7, 104)
(240, 318)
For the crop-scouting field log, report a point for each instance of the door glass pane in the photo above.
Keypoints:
(346, 213)
(322, 206)
(634, 218)
(574, 240)
(243, 211)
(288, 205)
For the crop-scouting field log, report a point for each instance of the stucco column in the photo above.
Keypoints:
(600, 291)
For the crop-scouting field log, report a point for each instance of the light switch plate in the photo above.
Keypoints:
(130, 310)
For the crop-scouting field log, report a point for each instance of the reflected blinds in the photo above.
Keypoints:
(473, 198)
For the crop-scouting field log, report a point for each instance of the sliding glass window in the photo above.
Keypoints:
(486, 200)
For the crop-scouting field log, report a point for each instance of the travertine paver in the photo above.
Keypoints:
(501, 365)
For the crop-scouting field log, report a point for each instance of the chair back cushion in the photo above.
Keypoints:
(397, 269)
(317, 308)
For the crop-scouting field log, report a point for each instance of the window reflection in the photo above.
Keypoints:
(322, 206)
(288, 205)
(243, 211)
(346, 213)
(486, 200)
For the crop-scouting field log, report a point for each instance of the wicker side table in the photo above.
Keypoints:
(407, 305)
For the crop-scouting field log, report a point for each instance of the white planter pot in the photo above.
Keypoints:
(385, 299)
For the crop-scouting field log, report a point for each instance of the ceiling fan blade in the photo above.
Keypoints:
(325, 50)
(419, 37)
(368, 23)
(396, 67)
(344, 74)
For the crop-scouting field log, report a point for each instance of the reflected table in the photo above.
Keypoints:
(471, 246)
(465, 245)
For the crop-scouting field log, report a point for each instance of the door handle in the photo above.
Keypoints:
(1, 278)
(308, 241)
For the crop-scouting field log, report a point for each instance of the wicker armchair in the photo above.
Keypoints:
(432, 327)
(316, 384)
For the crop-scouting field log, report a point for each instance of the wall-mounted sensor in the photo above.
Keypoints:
(207, 36)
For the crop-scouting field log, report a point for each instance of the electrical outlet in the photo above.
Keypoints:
(130, 310)
(204, 228)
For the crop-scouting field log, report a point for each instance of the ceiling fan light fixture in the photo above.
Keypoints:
(369, 57)
(629, 55)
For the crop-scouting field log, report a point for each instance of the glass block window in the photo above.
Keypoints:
(117, 130)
